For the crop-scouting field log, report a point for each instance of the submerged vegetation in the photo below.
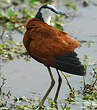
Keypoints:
(13, 15)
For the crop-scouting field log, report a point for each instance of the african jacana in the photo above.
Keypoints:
(52, 47)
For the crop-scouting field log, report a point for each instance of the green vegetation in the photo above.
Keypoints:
(13, 15)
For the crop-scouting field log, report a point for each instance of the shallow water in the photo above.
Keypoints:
(31, 79)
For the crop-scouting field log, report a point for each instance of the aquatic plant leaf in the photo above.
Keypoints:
(10, 12)
(59, 26)
(9, 25)
(74, 6)
(68, 3)
(31, 1)
(68, 108)
(3, 108)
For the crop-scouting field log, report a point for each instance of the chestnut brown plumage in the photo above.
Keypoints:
(52, 47)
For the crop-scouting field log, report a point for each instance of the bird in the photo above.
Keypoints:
(52, 47)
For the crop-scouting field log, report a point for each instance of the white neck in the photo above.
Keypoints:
(47, 15)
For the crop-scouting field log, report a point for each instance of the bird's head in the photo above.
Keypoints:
(44, 12)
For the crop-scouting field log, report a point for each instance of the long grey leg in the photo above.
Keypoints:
(59, 85)
(50, 88)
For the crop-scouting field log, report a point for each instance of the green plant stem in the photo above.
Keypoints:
(71, 89)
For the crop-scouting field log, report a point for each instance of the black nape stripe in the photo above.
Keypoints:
(52, 8)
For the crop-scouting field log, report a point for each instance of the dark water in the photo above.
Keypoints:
(31, 79)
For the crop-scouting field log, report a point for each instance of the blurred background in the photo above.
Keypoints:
(24, 81)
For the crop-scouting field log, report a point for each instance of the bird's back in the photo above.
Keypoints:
(49, 37)
(44, 42)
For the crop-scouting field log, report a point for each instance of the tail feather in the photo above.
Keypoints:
(70, 64)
